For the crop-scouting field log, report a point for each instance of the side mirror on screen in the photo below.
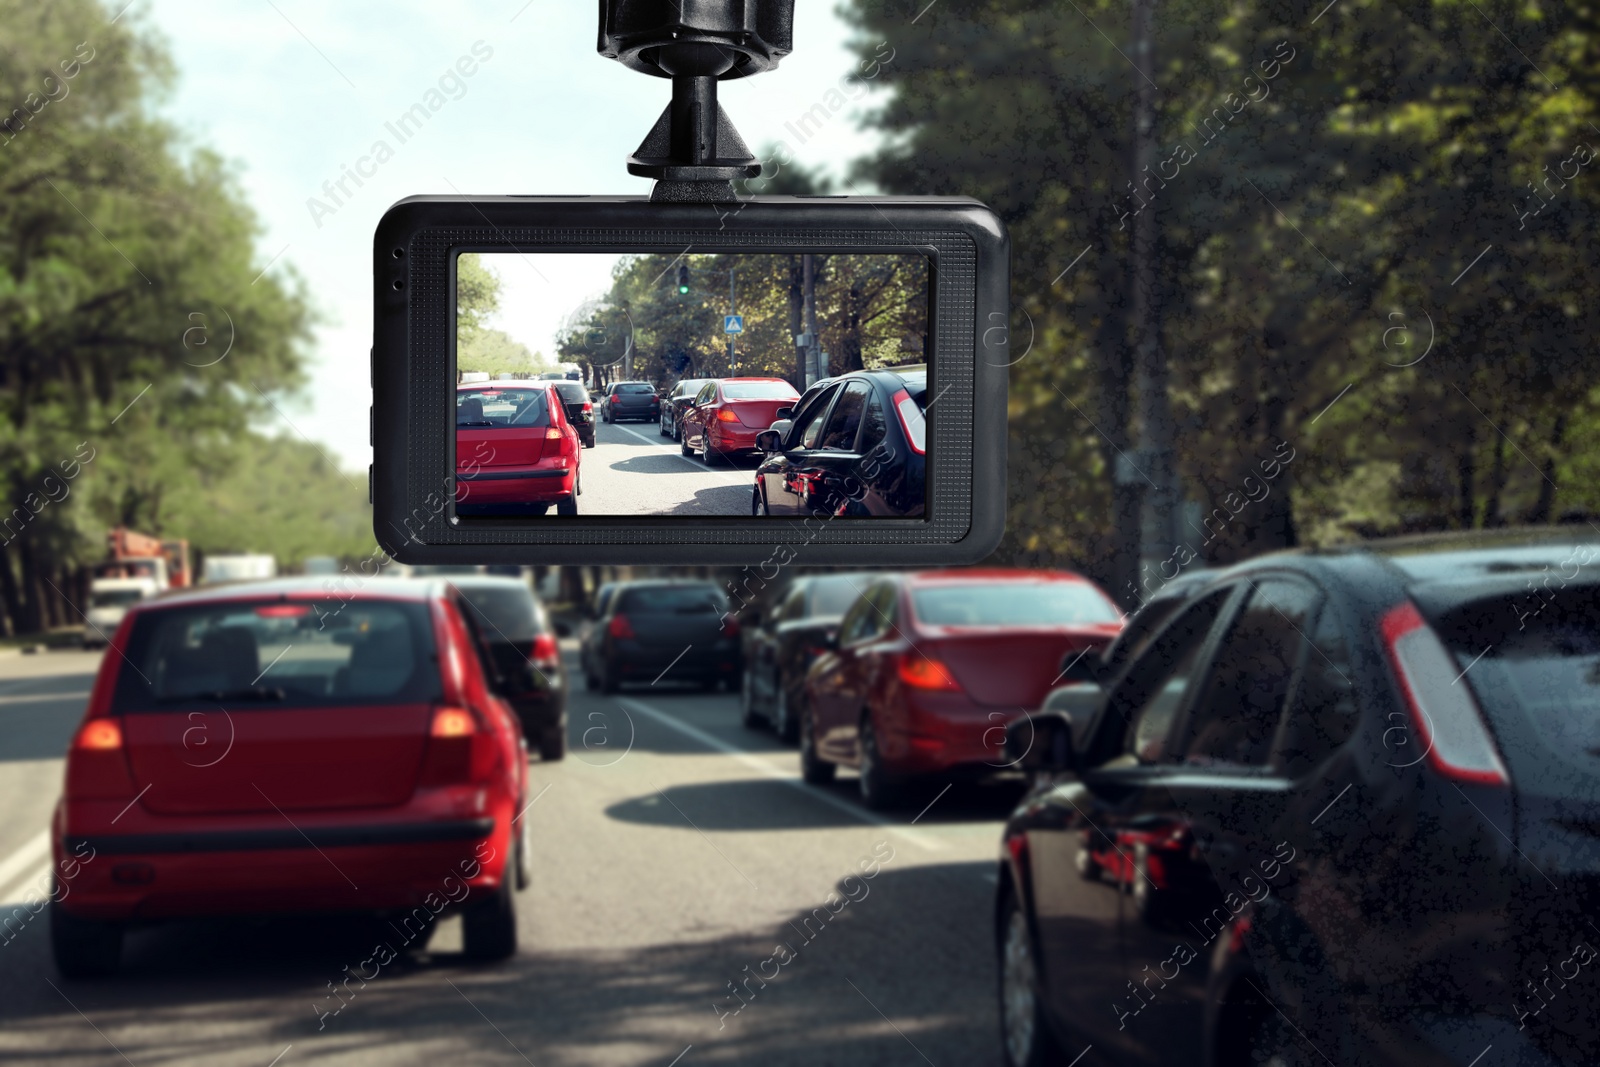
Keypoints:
(769, 440)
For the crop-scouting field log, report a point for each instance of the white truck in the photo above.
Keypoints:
(109, 600)
(247, 567)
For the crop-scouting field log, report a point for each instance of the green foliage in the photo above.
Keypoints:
(477, 295)
(497, 353)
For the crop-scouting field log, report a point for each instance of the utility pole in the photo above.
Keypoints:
(809, 296)
(1160, 512)
(733, 344)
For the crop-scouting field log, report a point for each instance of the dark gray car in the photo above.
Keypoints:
(630, 400)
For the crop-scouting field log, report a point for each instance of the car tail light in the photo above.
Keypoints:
(912, 421)
(458, 751)
(553, 434)
(730, 626)
(727, 415)
(588, 406)
(921, 672)
(1447, 719)
(452, 722)
(620, 627)
(99, 735)
(545, 651)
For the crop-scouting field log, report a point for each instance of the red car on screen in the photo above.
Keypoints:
(727, 414)
(928, 668)
(271, 748)
(517, 453)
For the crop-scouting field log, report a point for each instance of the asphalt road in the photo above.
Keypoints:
(633, 470)
(673, 850)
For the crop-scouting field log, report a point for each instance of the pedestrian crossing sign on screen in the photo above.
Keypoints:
(733, 324)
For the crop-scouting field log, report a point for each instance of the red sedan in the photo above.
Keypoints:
(517, 453)
(728, 413)
(928, 668)
(269, 748)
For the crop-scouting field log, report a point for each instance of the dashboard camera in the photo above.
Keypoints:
(698, 376)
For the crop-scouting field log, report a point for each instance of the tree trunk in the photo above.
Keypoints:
(1466, 477)
(1547, 484)
(10, 594)
(1497, 483)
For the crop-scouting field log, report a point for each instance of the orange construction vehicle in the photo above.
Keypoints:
(135, 555)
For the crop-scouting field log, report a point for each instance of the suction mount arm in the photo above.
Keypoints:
(693, 151)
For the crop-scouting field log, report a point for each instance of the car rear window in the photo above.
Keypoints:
(503, 613)
(497, 409)
(1012, 604)
(673, 600)
(833, 596)
(759, 391)
(572, 392)
(635, 387)
(279, 653)
(1535, 658)
(115, 598)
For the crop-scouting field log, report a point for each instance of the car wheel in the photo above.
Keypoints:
(553, 743)
(1025, 1036)
(677, 430)
(879, 790)
(708, 455)
(489, 927)
(1088, 868)
(783, 723)
(1147, 901)
(813, 768)
(84, 948)
(590, 682)
(608, 678)
(758, 502)
(747, 704)
(683, 444)
(524, 855)
(569, 506)
(588, 442)
(661, 426)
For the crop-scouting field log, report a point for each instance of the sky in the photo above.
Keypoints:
(295, 91)
(544, 293)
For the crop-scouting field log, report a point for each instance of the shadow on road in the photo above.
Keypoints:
(241, 991)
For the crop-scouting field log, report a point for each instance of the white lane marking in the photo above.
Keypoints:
(31, 852)
(696, 464)
(44, 698)
(37, 882)
(789, 778)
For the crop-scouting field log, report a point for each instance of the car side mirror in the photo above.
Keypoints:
(769, 440)
(1081, 667)
(1041, 742)
(786, 412)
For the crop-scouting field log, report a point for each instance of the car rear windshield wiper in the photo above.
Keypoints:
(261, 693)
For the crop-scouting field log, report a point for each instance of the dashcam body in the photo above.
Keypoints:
(423, 482)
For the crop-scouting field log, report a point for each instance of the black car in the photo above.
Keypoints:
(591, 635)
(672, 405)
(630, 400)
(673, 631)
(524, 657)
(1342, 807)
(854, 446)
(780, 645)
(579, 408)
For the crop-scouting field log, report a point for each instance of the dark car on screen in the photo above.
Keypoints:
(667, 631)
(523, 655)
(630, 400)
(928, 668)
(269, 748)
(1359, 793)
(674, 403)
(726, 415)
(854, 446)
(591, 635)
(516, 451)
(579, 408)
(782, 643)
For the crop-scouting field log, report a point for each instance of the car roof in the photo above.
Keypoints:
(520, 382)
(487, 581)
(993, 574)
(414, 589)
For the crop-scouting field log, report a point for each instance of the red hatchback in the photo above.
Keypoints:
(928, 668)
(269, 748)
(727, 414)
(517, 453)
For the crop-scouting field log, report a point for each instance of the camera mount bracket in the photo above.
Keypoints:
(693, 151)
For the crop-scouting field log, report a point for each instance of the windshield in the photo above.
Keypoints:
(833, 596)
(1013, 604)
(759, 391)
(673, 600)
(503, 613)
(634, 387)
(279, 654)
(115, 598)
(501, 408)
(572, 392)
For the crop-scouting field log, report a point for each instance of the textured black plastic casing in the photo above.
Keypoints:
(413, 376)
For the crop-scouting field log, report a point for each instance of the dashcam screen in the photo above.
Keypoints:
(691, 385)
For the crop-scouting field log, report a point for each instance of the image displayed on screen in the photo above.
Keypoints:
(698, 385)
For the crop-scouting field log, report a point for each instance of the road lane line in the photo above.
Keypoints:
(31, 852)
(43, 698)
(36, 879)
(789, 778)
(696, 464)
